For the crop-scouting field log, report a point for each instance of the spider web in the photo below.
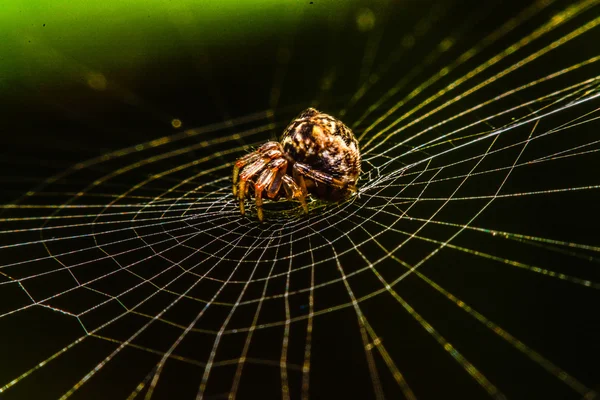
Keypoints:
(467, 263)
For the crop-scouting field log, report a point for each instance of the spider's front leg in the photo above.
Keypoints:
(248, 166)
(268, 178)
(250, 158)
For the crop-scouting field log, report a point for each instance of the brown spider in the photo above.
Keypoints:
(317, 155)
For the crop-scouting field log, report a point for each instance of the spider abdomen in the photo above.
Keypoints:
(326, 145)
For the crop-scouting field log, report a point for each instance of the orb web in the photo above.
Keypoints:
(467, 250)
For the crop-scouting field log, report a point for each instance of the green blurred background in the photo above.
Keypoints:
(68, 40)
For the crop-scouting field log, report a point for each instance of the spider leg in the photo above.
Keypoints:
(249, 159)
(299, 179)
(301, 169)
(245, 160)
(262, 157)
(246, 174)
(264, 180)
(277, 180)
(243, 192)
(292, 190)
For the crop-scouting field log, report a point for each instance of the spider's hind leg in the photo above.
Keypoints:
(292, 190)
(341, 185)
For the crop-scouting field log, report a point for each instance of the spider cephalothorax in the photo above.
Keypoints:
(317, 155)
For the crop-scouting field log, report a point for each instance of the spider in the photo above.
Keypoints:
(317, 155)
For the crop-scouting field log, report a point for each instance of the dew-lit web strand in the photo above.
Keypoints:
(559, 373)
(588, 82)
(557, 21)
(175, 218)
(524, 164)
(71, 194)
(517, 344)
(156, 372)
(92, 223)
(106, 232)
(506, 28)
(155, 143)
(86, 284)
(546, 272)
(62, 351)
(309, 328)
(296, 319)
(151, 160)
(362, 321)
(93, 206)
(20, 280)
(150, 280)
(189, 271)
(285, 386)
(51, 256)
(513, 263)
(50, 239)
(565, 277)
(447, 346)
(180, 183)
(191, 361)
(180, 243)
(132, 337)
(93, 247)
(502, 130)
(408, 41)
(445, 45)
(208, 368)
(530, 240)
(546, 158)
(520, 194)
(475, 374)
(475, 72)
(469, 368)
(173, 153)
(429, 143)
(565, 126)
(513, 124)
(377, 343)
(243, 357)
(536, 357)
